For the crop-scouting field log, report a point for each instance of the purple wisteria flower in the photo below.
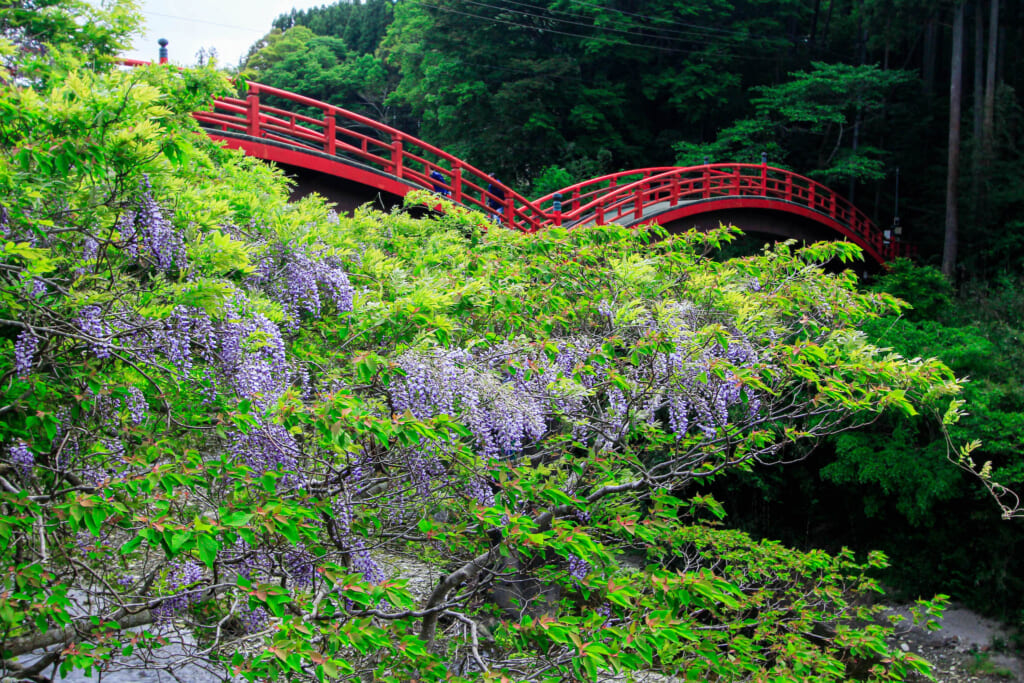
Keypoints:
(268, 448)
(90, 321)
(90, 249)
(136, 405)
(480, 492)
(25, 348)
(502, 417)
(22, 459)
(180, 582)
(147, 233)
(578, 568)
(302, 279)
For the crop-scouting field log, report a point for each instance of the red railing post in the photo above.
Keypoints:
(396, 156)
(330, 131)
(764, 174)
(832, 205)
(707, 183)
(736, 182)
(810, 194)
(673, 189)
(509, 218)
(575, 199)
(638, 201)
(252, 102)
(457, 182)
(789, 187)
(599, 215)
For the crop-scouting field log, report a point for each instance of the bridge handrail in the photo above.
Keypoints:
(717, 180)
(569, 194)
(260, 119)
(233, 122)
(838, 207)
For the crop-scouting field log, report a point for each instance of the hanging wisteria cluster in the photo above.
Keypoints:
(25, 348)
(268, 448)
(509, 396)
(700, 380)
(501, 418)
(21, 458)
(301, 280)
(91, 322)
(181, 584)
(241, 353)
(146, 233)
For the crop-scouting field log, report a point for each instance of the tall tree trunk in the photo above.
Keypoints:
(862, 56)
(814, 27)
(928, 55)
(828, 22)
(953, 170)
(988, 125)
(979, 95)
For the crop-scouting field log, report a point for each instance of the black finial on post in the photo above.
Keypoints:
(764, 158)
(705, 159)
(163, 50)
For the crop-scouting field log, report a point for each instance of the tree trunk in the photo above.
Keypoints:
(988, 125)
(862, 56)
(953, 170)
(828, 22)
(979, 96)
(814, 27)
(928, 56)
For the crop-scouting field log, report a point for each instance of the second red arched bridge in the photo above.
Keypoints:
(317, 136)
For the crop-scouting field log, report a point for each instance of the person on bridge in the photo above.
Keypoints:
(439, 187)
(496, 198)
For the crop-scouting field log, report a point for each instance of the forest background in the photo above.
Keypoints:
(857, 94)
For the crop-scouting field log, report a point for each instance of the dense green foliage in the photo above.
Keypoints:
(553, 91)
(879, 488)
(978, 336)
(225, 414)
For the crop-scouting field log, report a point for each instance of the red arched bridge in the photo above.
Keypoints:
(317, 136)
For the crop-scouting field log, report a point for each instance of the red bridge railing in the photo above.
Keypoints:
(630, 196)
(337, 131)
(624, 197)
